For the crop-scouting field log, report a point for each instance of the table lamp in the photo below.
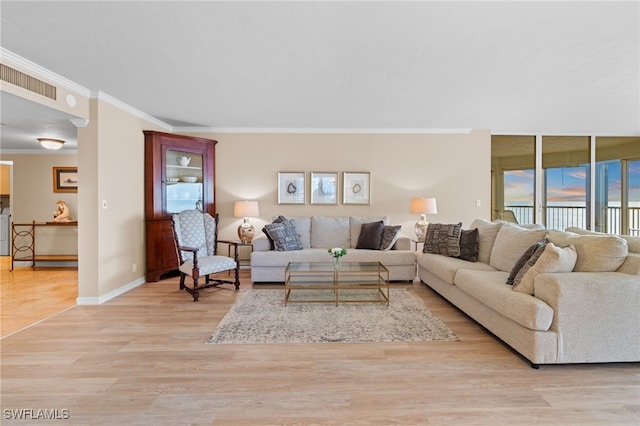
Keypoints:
(246, 209)
(423, 207)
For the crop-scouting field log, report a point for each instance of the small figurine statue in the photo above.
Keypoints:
(62, 214)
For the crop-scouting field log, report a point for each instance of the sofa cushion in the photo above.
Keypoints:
(370, 235)
(631, 264)
(443, 239)
(329, 232)
(303, 228)
(596, 253)
(445, 267)
(355, 223)
(489, 288)
(633, 242)
(487, 232)
(523, 260)
(510, 243)
(284, 237)
(390, 235)
(469, 244)
(552, 259)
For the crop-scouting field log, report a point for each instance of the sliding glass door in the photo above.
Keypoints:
(567, 181)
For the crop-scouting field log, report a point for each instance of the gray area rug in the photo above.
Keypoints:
(259, 316)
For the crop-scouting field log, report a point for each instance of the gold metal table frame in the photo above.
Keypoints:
(348, 276)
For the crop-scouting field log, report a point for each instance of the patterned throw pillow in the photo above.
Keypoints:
(279, 219)
(389, 236)
(284, 237)
(443, 239)
(469, 244)
(370, 235)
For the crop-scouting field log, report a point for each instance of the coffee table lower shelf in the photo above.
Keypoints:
(321, 283)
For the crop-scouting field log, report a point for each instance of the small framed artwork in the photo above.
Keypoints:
(291, 188)
(324, 188)
(65, 179)
(356, 188)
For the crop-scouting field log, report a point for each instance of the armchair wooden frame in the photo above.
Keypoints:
(195, 271)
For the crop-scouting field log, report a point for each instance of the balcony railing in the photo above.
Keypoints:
(561, 217)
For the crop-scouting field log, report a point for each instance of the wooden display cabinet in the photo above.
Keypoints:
(179, 175)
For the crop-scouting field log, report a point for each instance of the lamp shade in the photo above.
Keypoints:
(424, 206)
(246, 208)
(49, 143)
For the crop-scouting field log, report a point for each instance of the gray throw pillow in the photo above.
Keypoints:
(443, 239)
(528, 265)
(285, 238)
(370, 235)
(523, 260)
(469, 244)
(389, 236)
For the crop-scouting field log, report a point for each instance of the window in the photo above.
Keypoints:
(513, 178)
(559, 187)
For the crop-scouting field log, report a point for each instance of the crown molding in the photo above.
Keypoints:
(42, 151)
(9, 58)
(377, 131)
(104, 97)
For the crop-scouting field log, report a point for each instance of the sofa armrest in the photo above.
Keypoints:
(596, 314)
(403, 243)
(261, 243)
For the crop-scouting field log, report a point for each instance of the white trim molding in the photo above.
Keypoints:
(386, 131)
(111, 295)
(13, 60)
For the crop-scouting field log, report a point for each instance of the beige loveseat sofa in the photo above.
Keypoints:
(588, 315)
(318, 234)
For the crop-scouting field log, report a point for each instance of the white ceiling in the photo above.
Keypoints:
(512, 67)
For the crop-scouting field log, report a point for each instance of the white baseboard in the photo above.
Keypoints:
(29, 264)
(111, 295)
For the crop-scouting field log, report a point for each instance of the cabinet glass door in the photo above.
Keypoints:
(183, 181)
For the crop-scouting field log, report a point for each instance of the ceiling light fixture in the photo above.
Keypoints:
(49, 143)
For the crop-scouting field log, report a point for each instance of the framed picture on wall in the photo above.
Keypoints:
(65, 179)
(291, 188)
(324, 188)
(356, 188)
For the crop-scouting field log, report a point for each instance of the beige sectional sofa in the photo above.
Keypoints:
(319, 233)
(588, 315)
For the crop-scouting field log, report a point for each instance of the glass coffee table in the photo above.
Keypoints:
(351, 282)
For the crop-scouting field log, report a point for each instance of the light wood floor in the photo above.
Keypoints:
(141, 359)
(29, 295)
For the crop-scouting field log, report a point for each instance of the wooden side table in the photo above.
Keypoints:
(244, 263)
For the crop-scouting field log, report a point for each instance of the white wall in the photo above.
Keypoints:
(111, 169)
(454, 168)
(33, 199)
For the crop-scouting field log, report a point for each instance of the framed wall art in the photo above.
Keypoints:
(324, 188)
(65, 179)
(356, 188)
(291, 188)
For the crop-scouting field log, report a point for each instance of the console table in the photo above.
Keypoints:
(23, 243)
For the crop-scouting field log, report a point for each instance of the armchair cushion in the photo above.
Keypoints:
(209, 265)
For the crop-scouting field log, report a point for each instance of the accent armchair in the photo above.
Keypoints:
(196, 236)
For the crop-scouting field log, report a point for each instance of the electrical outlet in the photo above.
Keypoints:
(134, 267)
(478, 203)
